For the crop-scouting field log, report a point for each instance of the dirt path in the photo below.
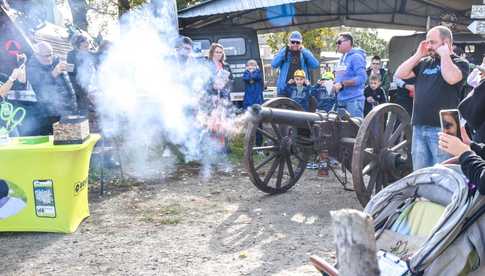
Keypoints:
(185, 227)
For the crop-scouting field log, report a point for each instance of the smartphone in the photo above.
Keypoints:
(450, 122)
(21, 59)
(69, 67)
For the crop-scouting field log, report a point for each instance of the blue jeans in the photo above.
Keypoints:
(425, 150)
(354, 107)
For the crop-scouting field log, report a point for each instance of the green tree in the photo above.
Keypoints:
(368, 40)
(315, 40)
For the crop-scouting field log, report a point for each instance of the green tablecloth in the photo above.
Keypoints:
(47, 185)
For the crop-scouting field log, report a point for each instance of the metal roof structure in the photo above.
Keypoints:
(275, 15)
(220, 7)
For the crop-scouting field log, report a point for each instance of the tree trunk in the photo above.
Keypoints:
(356, 245)
(79, 9)
(123, 6)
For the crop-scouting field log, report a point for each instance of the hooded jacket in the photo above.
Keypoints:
(354, 63)
(282, 61)
(301, 97)
(253, 88)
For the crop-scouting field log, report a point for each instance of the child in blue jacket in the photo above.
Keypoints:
(326, 99)
(299, 90)
(253, 84)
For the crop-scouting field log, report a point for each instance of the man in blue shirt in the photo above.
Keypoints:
(350, 76)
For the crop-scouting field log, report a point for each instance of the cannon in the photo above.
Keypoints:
(281, 138)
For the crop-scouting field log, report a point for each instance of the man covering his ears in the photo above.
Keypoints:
(440, 76)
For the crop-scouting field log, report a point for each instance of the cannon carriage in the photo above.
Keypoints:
(281, 138)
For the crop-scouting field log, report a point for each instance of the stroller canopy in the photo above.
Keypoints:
(459, 232)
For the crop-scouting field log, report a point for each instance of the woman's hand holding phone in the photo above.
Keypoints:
(452, 144)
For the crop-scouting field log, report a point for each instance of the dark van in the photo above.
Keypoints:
(240, 45)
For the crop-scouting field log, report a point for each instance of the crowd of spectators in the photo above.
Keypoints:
(432, 79)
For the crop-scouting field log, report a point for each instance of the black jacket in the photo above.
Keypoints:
(472, 108)
(473, 165)
(55, 96)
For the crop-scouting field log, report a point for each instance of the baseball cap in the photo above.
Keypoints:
(299, 73)
(295, 36)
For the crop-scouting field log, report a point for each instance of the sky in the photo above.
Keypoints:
(387, 34)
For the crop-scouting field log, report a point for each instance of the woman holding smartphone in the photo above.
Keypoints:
(470, 154)
(471, 158)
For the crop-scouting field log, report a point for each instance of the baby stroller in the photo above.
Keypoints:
(428, 223)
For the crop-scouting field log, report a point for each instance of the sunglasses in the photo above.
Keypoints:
(295, 42)
(340, 41)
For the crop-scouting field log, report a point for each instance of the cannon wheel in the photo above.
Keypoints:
(382, 150)
(276, 165)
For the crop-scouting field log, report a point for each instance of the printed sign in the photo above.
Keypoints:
(12, 47)
(477, 27)
(80, 186)
(478, 12)
(45, 205)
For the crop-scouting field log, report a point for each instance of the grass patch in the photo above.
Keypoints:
(237, 149)
(164, 215)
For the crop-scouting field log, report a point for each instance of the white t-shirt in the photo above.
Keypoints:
(11, 207)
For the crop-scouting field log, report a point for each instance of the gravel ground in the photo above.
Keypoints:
(182, 226)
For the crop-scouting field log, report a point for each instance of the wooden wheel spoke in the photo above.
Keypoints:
(265, 148)
(267, 134)
(281, 169)
(397, 133)
(372, 182)
(399, 146)
(271, 170)
(276, 130)
(391, 122)
(290, 167)
(265, 161)
(369, 167)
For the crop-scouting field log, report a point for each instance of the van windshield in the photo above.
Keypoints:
(234, 46)
(202, 46)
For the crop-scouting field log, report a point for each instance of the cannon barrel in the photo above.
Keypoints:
(294, 118)
(283, 116)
